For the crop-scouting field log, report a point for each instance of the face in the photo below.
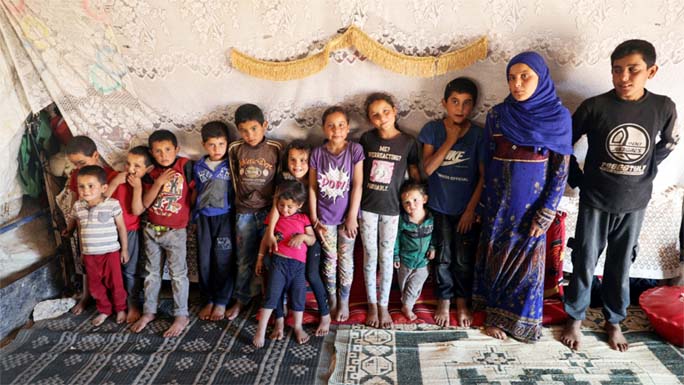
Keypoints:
(458, 107)
(216, 148)
(522, 81)
(298, 163)
(252, 131)
(336, 127)
(630, 74)
(90, 188)
(382, 115)
(80, 160)
(287, 207)
(164, 152)
(135, 165)
(412, 201)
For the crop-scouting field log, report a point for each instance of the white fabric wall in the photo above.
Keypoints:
(119, 69)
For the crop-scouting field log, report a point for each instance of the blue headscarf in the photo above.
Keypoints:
(541, 120)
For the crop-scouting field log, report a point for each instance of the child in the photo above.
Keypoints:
(99, 224)
(286, 272)
(335, 179)
(213, 215)
(389, 152)
(253, 165)
(622, 159)
(126, 187)
(297, 165)
(453, 158)
(168, 202)
(413, 248)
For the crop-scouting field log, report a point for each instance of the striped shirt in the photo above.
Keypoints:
(97, 228)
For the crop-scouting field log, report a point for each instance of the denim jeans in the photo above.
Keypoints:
(133, 270)
(249, 229)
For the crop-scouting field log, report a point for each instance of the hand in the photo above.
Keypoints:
(165, 177)
(259, 266)
(296, 240)
(351, 227)
(124, 256)
(431, 254)
(396, 265)
(134, 181)
(320, 230)
(536, 230)
(271, 243)
(119, 178)
(466, 221)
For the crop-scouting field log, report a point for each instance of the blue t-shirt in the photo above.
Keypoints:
(451, 186)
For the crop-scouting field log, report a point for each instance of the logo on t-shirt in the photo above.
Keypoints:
(167, 202)
(628, 143)
(381, 171)
(333, 183)
(454, 157)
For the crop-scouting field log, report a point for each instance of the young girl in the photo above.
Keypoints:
(335, 178)
(297, 166)
(389, 152)
(286, 272)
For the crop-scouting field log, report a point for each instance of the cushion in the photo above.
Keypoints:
(664, 307)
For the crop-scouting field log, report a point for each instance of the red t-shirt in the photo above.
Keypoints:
(285, 229)
(124, 194)
(171, 207)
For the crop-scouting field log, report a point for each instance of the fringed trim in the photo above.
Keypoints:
(419, 66)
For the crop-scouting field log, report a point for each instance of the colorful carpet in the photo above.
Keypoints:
(426, 354)
(69, 350)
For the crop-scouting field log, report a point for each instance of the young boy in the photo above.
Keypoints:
(100, 223)
(254, 163)
(213, 216)
(126, 187)
(413, 249)
(622, 159)
(286, 273)
(168, 202)
(453, 157)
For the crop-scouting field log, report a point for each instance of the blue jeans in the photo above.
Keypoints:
(249, 229)
(215, 258)
(133, 270)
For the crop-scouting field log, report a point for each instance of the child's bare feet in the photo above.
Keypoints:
(260, 335)
(278, 331)
(616, 340)
(442, 312)
(234, 311)
(343, 310)
(259, 339)
(99, 320)
(495, 332)
(323, 326)
(218, 313)
(572, 336)
(302, 336)
(176, 328)
(408, 312)
(385, 317)
(120, 317)
(463, 314)
(133, 314)
(205, 313)
(372, 316)
(140, 324)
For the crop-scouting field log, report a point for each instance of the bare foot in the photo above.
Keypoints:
(80, 306)
(176, 328)
(372, 316)
(572, 336)
(616, 340)
(140, 324)
(463, 314)
(259, 339)
(302, 336)
(133, 314)
(234, 311)
(205, 313)
(218, 313)
(278, 331)
(120, 317)
(323, 326)
(442, 312)
(385, 317)
(99, 320)
(408, 312)
(495, 332)
(343, 311)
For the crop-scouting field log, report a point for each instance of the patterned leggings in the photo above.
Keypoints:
(338, 257)
(378, 233)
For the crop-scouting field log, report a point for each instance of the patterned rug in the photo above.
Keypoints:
(426, 354)
(69, 350)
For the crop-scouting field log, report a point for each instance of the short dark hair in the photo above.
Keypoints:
(143, 151)
(95, 171)
(628, 47)
(214, 129)
(461, 85)
(374, 97)
(296, 144)
(161, 136)
(331, 110)
(247, 112)
(412, 186)
(292, 189)
(81, 144)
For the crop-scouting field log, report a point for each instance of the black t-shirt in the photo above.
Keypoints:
(384, 170)
(623, 156)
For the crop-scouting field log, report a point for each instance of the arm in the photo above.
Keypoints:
(123, 237)
(414, 173)
(269, 235)
(260, 257)
(114, 183)
(137, 207)
(579, 128)
(668, 138)
(151, 194)
(557, 175)
(397, 245)
(313, 203)
(433, 159)
(468, 216)
(351, 224)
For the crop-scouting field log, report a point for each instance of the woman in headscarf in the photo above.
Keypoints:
(529, 137)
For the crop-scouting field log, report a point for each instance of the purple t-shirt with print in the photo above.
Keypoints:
(334, 176)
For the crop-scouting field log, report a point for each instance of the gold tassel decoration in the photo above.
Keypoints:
(419, 66)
